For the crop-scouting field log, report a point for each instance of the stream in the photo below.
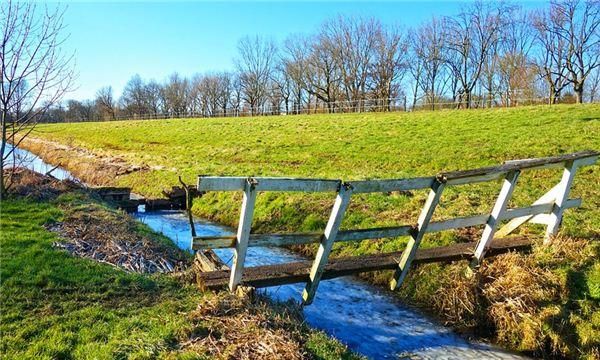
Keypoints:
(370, 320)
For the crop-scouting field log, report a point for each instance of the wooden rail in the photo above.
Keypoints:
(547, 210)
(281, 274)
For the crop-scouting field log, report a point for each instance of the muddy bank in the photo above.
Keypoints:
(92, 168)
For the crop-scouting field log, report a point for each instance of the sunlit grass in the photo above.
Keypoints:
(350, 146)
(368, 146)
(56, 306)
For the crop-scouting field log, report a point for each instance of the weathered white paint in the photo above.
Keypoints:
(333, 224)
(225, 183)
(499, 207)
(562, 195)
(415, 240)
(241, 245)
(369, 186)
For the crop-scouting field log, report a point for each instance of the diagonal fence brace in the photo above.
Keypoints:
(416, 236)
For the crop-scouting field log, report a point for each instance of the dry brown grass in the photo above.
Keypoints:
(518, 299)
(26, 183)
(243, 328)
(92, 168)
(93, 232)
(515, 289)
(457, 298)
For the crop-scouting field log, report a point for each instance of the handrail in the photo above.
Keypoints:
(547, 210)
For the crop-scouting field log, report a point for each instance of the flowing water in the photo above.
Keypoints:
(371, 321)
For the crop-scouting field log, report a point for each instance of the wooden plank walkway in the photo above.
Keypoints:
(296, 272)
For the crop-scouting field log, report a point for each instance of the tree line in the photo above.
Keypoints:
(489, 54)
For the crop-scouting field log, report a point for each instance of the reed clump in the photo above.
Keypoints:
(521, 301)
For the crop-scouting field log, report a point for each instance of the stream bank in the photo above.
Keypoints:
(83, 280)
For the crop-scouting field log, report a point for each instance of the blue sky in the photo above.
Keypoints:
(114, 40)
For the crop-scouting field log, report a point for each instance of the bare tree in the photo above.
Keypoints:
(322, 77)
(236, 95)
(152, 96)
(34, 73)
(255, 65)
(515, 70)
(176, 95)
(416, 70)
(471, 36)
(284, 85)
(224, 90)
(427, 43)
(294, 62)
(79, 110)
(593, 84)
(551, 58)
(105, 103)
(133, 99)
(578, 25)
(389, 66)
(352, 42)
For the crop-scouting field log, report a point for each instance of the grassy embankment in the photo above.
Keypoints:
(57, 306)
(562, 318)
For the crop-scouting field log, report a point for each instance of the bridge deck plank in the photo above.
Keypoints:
(296, 272)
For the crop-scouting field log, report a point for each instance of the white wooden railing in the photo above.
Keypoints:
(547, 210)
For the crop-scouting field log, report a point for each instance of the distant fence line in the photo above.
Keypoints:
(333, 107)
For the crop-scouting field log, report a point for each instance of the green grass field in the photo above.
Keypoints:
(359, 146)
(353, 146)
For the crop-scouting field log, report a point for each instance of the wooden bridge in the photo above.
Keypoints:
(547, 210)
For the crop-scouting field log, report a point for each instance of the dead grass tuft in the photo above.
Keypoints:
(566, 250)
(240, 328)
(456, 298)
(515, 288)
(29, 184)
(94, 232)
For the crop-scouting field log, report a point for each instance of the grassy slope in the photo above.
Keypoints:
(354, 146)
(54, 305)
(358, 146)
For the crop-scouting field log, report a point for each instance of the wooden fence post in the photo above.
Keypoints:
(243, 233)
(562, 195)
(499, 207)
(335, 220)
(417, 235)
